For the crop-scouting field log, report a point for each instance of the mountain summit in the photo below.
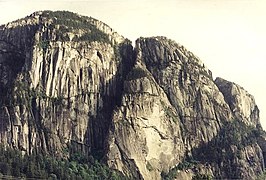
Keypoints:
(71, 85)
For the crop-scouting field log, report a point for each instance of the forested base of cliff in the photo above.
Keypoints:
(38, 166)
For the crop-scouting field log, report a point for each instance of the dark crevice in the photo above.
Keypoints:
(99, 55)
(99, 126)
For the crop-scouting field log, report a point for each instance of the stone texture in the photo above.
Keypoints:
(172, 93)
(241, 103)
(60, 93)
(145, 129)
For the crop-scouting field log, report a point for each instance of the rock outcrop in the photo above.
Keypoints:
(172, 109)
(241, 103)
(70, 84)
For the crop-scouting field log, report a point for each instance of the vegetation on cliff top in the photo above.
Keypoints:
(69, 22)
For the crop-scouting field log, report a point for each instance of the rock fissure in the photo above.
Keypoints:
(162, 135)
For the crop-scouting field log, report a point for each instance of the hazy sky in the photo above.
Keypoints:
(229, 36)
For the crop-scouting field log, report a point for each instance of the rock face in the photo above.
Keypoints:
(241, 103)
(173, 110)
(56, 91)
(70, 84)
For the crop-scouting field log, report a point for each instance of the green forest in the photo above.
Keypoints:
(39, 166)
(68, 22)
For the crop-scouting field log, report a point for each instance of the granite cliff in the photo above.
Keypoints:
(69, 83)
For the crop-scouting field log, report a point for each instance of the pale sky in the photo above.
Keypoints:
(229, 36)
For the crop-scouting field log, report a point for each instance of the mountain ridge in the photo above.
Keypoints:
(71, 84)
